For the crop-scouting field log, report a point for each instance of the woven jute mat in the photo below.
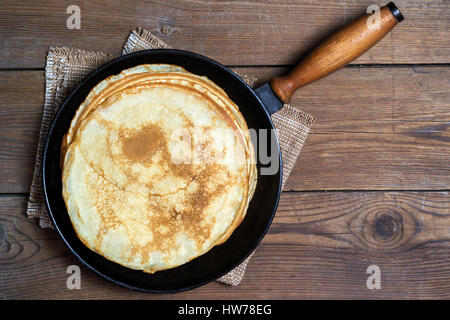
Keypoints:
(66, 67)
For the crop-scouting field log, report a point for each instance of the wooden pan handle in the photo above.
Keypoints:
(337, 51)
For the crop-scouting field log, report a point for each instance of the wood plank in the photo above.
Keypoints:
(22, 99)
(319, 246)
(376, 129)
(234, 33)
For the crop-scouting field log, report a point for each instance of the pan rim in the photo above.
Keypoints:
(51, 133)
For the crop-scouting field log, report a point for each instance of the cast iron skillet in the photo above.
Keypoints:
(219, 260)
(256, 106)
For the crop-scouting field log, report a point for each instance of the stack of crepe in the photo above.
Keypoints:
(158, 167)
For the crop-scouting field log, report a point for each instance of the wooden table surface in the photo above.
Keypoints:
(370, 187)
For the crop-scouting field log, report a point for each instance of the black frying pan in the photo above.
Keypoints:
(256, 107)
(220, 259)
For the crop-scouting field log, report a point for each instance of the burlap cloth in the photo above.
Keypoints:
(66, 67)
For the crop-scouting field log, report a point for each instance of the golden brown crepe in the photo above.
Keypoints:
(158, 167)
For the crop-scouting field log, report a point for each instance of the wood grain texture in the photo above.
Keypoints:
(235, 33)
(376, 129)
(319, 246)
(22, 100)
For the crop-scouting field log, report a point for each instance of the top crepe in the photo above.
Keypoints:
(158, 167)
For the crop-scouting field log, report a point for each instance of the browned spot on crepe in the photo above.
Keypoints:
(139, 145)
(189, 219)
